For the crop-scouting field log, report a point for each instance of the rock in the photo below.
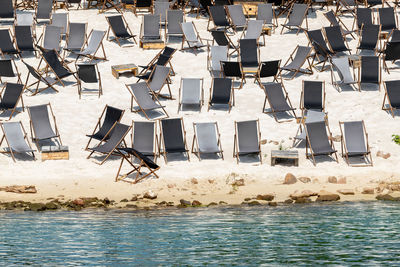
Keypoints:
(332, 180)
(388, 197)
(247, 199)
(238, 182)
(302, 194)
(194, 181)
(37, 207)
(78, 202)
(20, 189)
(124, 200)
(315, 181)
(170, 204)
(327, 196)
(211, 181)
(305, 180)
(342, 180)
(171, 185)
(51, 206)
(180, 206)
(254, 203)
(185, 202)
(383, 154)
(149, 194)
(263, 141)
(131, 206)
(346, 191)
(368, 191)
(288, 201)
(212, 204)
(267, 197)
(290, 179)
(302, 200)
(196, 203)
(223, 203)
(272, 204)
(162, 203)
(134, 198)
(106, 201)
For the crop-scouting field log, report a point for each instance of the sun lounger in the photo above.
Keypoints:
(16, 139)
(268, 69)
(191, 92)
(336, 41)
(88, 73)
(150, 36)
(392, 95)
(295, 18)
(371, 3)
(120, 29)
(10, 96)
(222, 93)
(93, 44)
(278, 99)
(218, 17)
(145, 138)
(7, 44)
(369, 37)
(249, 54)
(254, 30)
(216, 54)
(298, 57)
(24, 39)
(355, 142)
(9, 69)
(388, 18)
(336, 21)
(247, 139)
(206, 139)
(342, 67)
(60, 20)
(370, 71)
(173, 137)
(222, 39)
(236, 16)
(313, 96)
(51, 38)
(174, 20)
(266, 13)
(43, 9)
(233, 69)
(191, 37)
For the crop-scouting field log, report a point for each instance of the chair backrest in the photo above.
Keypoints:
(237, 16)
(370, 69)
(343, 67)
(7, 9)
(221, 90)
(265, 13)
(24, 19)
(76, 36)
(112, 116)
(231, 69)
(191, 91)
(369, 37)
(254, 29)
(55, 64)
(87, 72)
(95, 41)
(174, 20)
(276, 97)
(160, 9)
(172, 131)
(33, 71)
(393, 92)
(364, 17)
(44, 8)
(159, 78)
(313, 93)
(318, 138)
(6, 68)
(16, 137)
(317, 37)
(218, 54)
(24, 38)
(220, 37)
(387, 18)
(118, 26)
(189, 32)
(117, 135)
(143, 3)
(335, 38)
(300, 57)
(247, 136)
(11, 95)
(142, 96)
(143, 136)
(206, 133)
(6, 44)
(218, 15)
(395, 36)
(332, 18)
(269, 68)
(151, 26)
(52, 37)
(354, 137)
(248, 52)
(298, 13)
(40, 122)
(60, 20)
(392, 51)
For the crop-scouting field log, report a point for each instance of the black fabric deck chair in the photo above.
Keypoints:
(394, 36)
(93, 44)
(88, 73)
(387, 18)
(144, 162)
(319, 140)
(162, 58)
(278, 99)
(247, 139)
(16, 139)
(206, 139)
(322, 53)
(49, 81)
(140, 92)
(191, 92)
(236, 16)
(391, 52)
(140, 5)
(10, 96)
(7, 9)
(43, 9)
(355, 142)
(150, 29)
(335, 39)
(78, 2)
(115, 138)
(222, 39)
(218, 17)
(266, 13)
(233, 69)
(316, 36)
(336, 21)
(343, 6)
(343, 69)
(249, 53)
(9, 69)
(369, 37)
(41, 128)
(298, 57)
(363, 17)
(174, 20)
(370, 71)
(268, 69)
(145, 138)
(295, 17)
(204, 4)
(51, 38)
(216, 54)
(24, 39)
(191, 37)
(313, 96)
(111, 115)
(222, 93)
(371, 3)
(173, 137)
(120, 29)
(76, 37)
(6, 43)
(392, 95)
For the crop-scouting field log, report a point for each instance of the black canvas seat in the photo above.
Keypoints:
(278, 99)
(222, 93)
(247, 139)
(173, 137)
(392, 96)
(120, 29)
(11, 95)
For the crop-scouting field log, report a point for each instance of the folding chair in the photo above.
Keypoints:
(249, 55)
(10, 96)
(342, 67)
(233, 69)
(371, 3)
(321, 51)
(93, 44)
(158, 78)
(41, 128)
(7, 9)
(60, 20)
(369, 71)
(336, 21)
(43, 9)
(143, 4)
(295, 18)
(76, 37)
(298, 57)
(218, 17)
(392, 95)
(16, 139)
(369, 38)
(191, 37)
(194, 6)
(24, 39)
(7, 44)
(191, 92)
(236, 16)
(206, 139)
(309, 116)
(391, 52)
(88, 73)
(278, 99)
(355, 142)
(47, 80)
(145, 138)
(388, 18)
(221, 93)
(9, 69)
(247, 139)
(254, 30)
(216, 54)
(343, 6)
(51, 38)
(110, 4)
(120, 28)
(174, 20)
(222, 39)
(266, 13)
(160, 9)
(268, 69)
(78, 2)
(24, 19)
(362, 17)
(111, 116)
(140, 92)
(313, 96)
(337, 43)
(115, 138)
(166, 53)
(173, 137)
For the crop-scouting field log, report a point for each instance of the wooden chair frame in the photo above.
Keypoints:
(310, 72)
(300, 26)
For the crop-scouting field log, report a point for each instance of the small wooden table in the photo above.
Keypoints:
(285, 155)
(355, 60)
(54, 152)
(118, 69)
(267, 30)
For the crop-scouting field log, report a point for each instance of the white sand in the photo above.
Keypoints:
(75, 118)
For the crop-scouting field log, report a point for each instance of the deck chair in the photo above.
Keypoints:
(388, 18)
(335, 39)
(236, 16)
(278, 99)
(191, 92)
(222, 93)
(120, 29)
(76, 37)
(295, 18)
(150, 29)
(93, 44)
(140, 92)
(268, 69)
(371, 3)
(233, 69)
(191, 37)
(206, 139)
(9, 69)
(160, 9)
(43, 9)
(319, 140)
(142, 4)
(145, 138)
(342, 67)
(313, 96)
(174, 20)
(51, 38)
(343, 6)
(247, 139)
(194, 7)
(391, 52)
(254, 30)
(144, 163)
(115, 138)
(173, 138)
(266, 13)
(10, 96)
(249, 54)
(336, 21)
(216, 54)
(355, 142)
(60, 20)
(47, 80)
(41, 128)
(298, 57)
(111, 116)
(218, 17)
(369, 38)
(24, 39)
(370, 71)
(316, 36)
(158, 78)
(7, 9)
(88, 73)
(222, 39)
(7, 43)
(308, 117)
(363, 17)
(322, 53)
(161, 61)
(16, 139)
(78, 2)
(392, 95)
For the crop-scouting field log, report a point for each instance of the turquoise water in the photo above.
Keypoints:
(338, 234)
